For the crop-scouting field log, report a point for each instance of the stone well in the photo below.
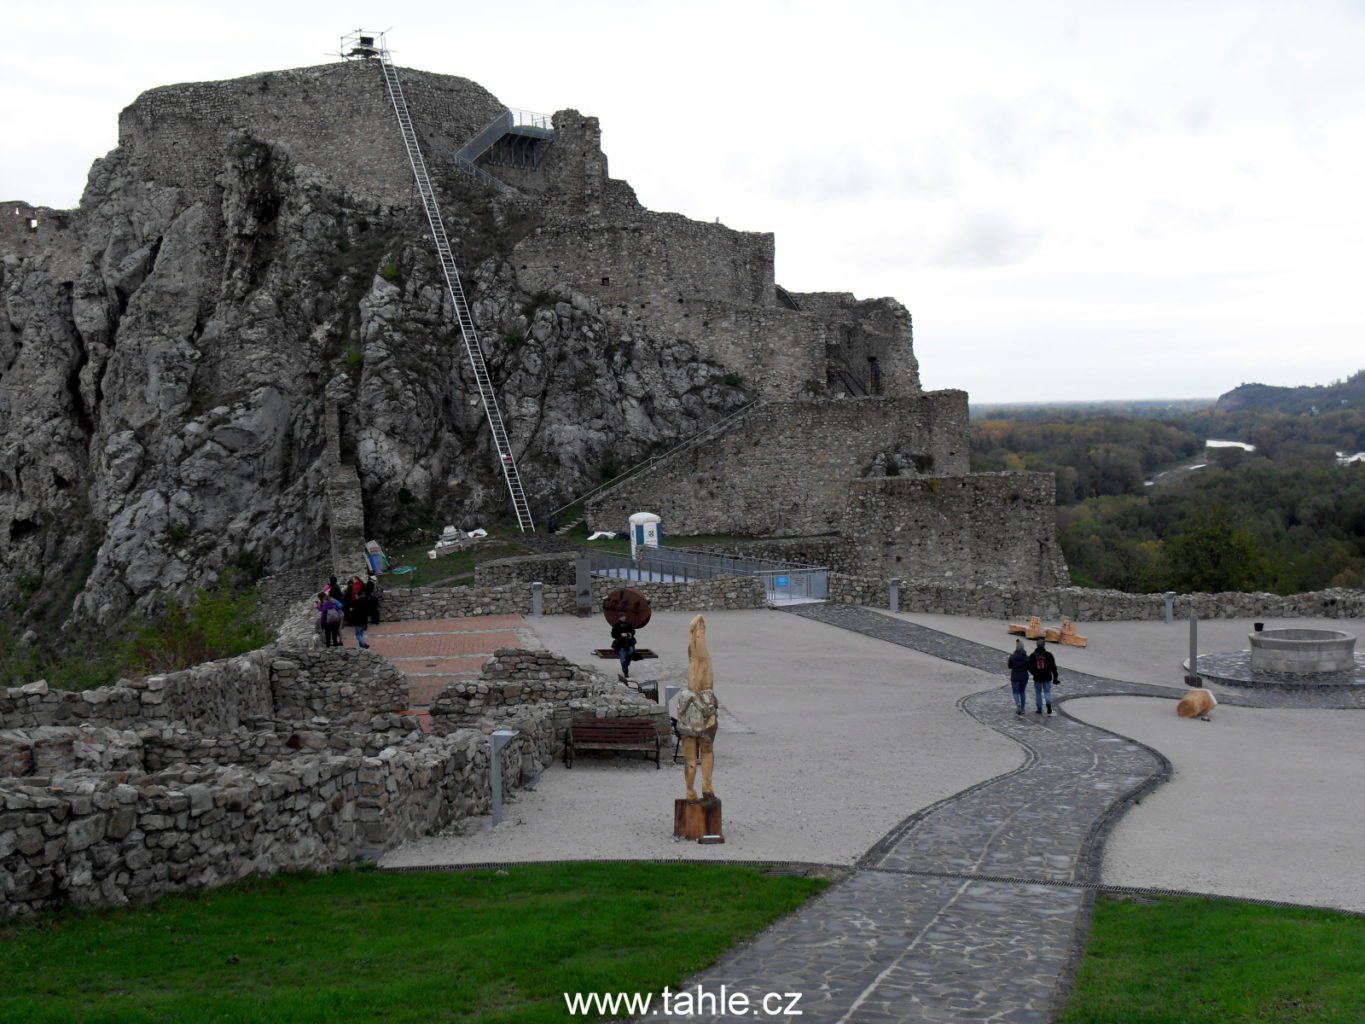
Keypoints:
(1302, 652)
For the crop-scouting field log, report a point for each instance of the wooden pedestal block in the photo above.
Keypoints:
(695, 819)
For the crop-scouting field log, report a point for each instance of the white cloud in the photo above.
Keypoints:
(1157, 198)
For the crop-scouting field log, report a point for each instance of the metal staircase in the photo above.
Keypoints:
(452, 275)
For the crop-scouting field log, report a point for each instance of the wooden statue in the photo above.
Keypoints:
(697, 711)
(695, 818)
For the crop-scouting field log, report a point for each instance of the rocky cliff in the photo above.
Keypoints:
(252, 248)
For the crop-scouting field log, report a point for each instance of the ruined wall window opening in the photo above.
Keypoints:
(31, 224)
(874, 374)
(606, 280)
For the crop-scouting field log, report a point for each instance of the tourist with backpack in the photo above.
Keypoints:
(1043, 667)
(1018, 666)
(329, 619)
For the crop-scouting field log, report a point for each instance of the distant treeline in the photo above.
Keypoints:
(1091, 458)
(1286, 436)
(1284, 518)
(1256, 527)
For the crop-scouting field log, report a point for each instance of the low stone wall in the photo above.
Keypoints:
(220, 696)
(1086, 605)
(50, 749)
(515, 683)
(337, 683)
(163, 748)
(215, 695)
(724, 592)
(112, 838)
(556, 569)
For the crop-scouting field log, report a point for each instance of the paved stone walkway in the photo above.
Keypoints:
(973, 909)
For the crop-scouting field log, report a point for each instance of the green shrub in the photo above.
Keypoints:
(389, 272)
(214, 624)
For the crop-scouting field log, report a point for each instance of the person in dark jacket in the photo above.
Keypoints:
(623, 643)
(1043, 667)
(1018, 665)
(373, 592)
(357, 610)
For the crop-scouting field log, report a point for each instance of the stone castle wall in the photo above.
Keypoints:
(979, 528)
(220, 696)
(335, 118)
(216, 695)
(1017, 603)
(785, 469)
(723, 592)
(102, 838)
(878, 328)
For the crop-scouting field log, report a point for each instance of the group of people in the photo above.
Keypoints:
(1042, 667)
(354, 604)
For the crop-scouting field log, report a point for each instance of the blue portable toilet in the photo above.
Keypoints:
(644, 532)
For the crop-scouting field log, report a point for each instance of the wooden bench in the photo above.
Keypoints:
(611, 734)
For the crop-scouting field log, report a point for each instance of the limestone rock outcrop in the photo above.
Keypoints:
(253, 248)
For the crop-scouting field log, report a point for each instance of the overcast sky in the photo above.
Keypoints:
(1075, 200)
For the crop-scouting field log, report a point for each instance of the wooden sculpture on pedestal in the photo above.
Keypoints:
(695, 818)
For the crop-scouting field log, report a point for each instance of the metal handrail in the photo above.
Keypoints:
(654, 460)
(484, 138)
(530, 119)
(464, 319)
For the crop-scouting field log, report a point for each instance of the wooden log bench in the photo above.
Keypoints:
(611, 734)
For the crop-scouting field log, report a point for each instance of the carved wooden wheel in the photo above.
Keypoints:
(630, 605)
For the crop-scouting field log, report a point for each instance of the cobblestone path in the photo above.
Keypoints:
(973, 909)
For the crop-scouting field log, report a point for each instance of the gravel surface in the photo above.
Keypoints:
(828, 741)
(1266, 804)
(1139, 652)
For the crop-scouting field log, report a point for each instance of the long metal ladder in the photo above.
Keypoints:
(452, 275)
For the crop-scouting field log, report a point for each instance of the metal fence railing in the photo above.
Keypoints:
(783, 583)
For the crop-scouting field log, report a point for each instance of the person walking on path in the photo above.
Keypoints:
(329, 618)
(373, 592)
(1018, 665)
(357, 611)
(1043, 667)
(623, 643)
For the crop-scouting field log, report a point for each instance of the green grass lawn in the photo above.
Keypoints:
(1189, 960)
(458, 568)
(368, 946)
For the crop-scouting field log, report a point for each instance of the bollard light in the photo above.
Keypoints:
(1170, 606)
(537, 599)
(895, 595)
(499, 739)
